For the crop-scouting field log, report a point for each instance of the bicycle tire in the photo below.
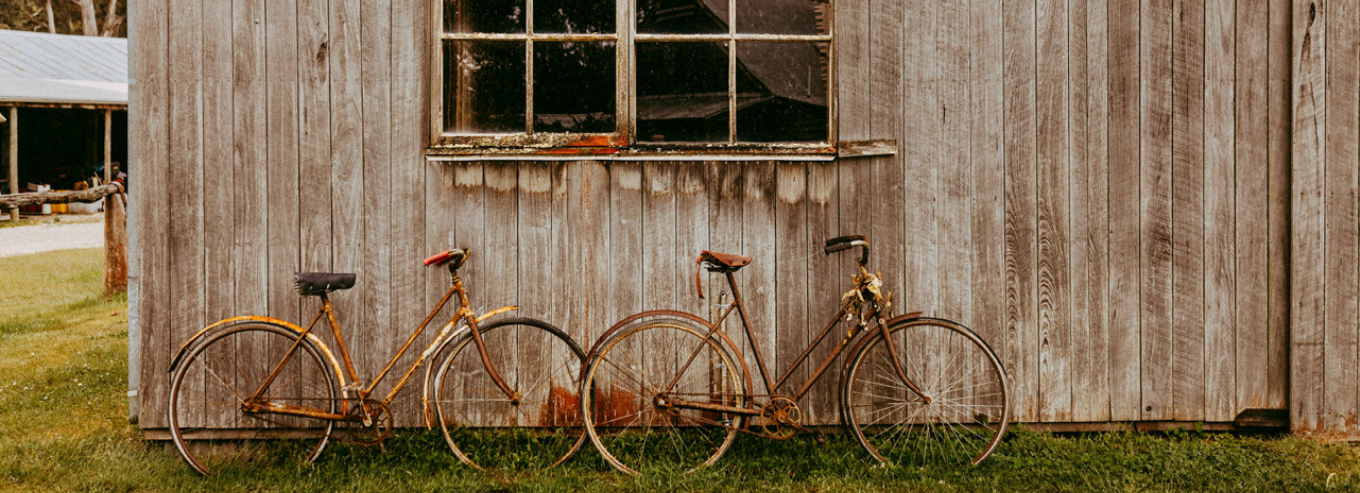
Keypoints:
(969, 408)
(482, 426)
(207, 392)
(622, 384)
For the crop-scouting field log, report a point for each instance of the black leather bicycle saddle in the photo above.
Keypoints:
(316, 283)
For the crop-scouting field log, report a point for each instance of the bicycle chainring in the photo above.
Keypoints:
(374, 433)
(781, 418)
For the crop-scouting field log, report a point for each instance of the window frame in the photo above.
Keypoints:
(624, 139)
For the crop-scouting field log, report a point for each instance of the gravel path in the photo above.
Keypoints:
(22, 240)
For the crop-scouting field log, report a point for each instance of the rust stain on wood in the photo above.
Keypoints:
(563, 408)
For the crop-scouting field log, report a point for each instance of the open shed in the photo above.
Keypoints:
(65, 99)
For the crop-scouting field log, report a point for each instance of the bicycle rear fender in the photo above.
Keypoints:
(222, 324)
(448, 334)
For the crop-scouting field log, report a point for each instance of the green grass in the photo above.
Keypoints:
(63, 427)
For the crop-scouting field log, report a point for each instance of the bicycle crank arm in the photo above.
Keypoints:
(663, 403)
(276, 408)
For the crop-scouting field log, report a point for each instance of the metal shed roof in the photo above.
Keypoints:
(62, 69)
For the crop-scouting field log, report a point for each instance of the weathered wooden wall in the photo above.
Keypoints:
(1100, 188)
(1325, 370)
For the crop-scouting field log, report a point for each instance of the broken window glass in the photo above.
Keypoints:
(484, 16)
(682, 16)
(789, 103)
(574, 16)
(682, 92)
(575, 86)
(783, 17)
(484, 87)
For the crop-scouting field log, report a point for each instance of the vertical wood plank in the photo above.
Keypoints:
(625, 268)
(954, 246)
(381, 330)
(987, 165)
(250, 136)
(1087, 94)
(1220, 245)
(661, 262)
(724, 235)
(1308, 387)
(149, 125)
(1095, 390)
(886, 108)
(1187, 210)
(661, 281)
(823, 281)
(1052, 212)
(691, 231)
(1124, 185)
(218, 169)
(535, 272)
(346, 165)
(588, 221)
(499, 283)
(500, 280)
(1339, 207)
(1280, 71)
(791, 269)
(758, 242)
(1021, 330)
(314, 143)
(920, 140)
(1155, 249)
(408, 179)
(1252, 226)
(186, 175)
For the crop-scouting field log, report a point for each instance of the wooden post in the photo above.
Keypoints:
(115, 244)
(108, 148)
(14, 158)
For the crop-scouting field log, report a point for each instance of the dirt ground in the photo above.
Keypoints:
(53, 233)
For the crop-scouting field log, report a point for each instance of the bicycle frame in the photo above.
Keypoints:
(773, 388)
(256, 404)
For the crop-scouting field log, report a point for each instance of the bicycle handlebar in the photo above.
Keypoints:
(842, 243)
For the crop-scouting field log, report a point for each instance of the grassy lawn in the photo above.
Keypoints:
(63, 427)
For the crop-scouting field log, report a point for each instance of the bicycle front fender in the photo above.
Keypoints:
(447, 335)
(225, 323)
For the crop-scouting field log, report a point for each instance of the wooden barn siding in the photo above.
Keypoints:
(1099, 188)
(1324, 398)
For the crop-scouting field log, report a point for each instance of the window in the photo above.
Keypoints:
(634, 73)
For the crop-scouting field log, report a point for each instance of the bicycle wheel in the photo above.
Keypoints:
(480, 423)
(968, 409)
(210, 387)
(628, 416)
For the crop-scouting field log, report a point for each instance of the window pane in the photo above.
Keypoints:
(682, 92)
(484, 86)
(789, 102)
(682, 16)
(783, 16)
(574, 87)
(484, 16)
(574, 16)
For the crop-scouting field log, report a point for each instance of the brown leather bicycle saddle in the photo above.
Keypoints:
(315, 283)
(723, 262)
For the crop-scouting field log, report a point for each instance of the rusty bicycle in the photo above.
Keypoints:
(671, 389)
(504, 396)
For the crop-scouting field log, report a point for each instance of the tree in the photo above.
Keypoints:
(65, 16)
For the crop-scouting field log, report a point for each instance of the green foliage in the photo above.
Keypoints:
(63, 427)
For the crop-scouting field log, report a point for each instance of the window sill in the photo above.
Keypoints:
(725, 153)
(777, 152)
